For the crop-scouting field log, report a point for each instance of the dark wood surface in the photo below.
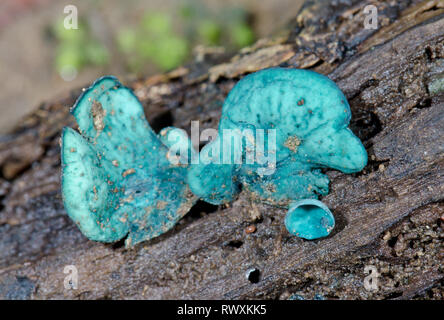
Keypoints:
(390, 216)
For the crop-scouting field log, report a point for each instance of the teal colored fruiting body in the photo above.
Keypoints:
(309, 219)
(117, 177)
(308, 116)
(280, 126)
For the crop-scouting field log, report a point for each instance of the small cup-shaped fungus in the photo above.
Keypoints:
(309, 219)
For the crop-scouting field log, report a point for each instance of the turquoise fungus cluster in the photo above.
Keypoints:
(278, 129)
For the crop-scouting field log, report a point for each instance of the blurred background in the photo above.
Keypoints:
(41, 60)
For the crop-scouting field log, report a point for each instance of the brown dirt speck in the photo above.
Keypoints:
(292, 143)
(250, 229)
(128, 172)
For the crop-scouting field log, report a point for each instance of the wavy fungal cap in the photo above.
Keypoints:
(117, 180)
(309, 115)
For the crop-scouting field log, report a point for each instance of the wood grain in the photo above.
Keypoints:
(390, 215)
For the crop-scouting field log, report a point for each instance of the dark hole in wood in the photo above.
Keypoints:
(200, 209)
(253, 275)
(392, 241)
(235, 244)
(162, 120)
(2, 205)
(365, 124)
(423, 104)
(119, 244)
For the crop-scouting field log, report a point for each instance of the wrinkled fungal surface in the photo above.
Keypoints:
(117, 177)
(308, 116)
(279, 128)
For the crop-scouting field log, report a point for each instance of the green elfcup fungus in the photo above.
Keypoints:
(121, 179)
(309, 219)
(118, 176)
(298, 121)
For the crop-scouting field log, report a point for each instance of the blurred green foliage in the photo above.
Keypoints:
(154, 40)
(209, 32)
(166, 39)
(242, 34)
(228, 27)
(77, 48)
(162, 39)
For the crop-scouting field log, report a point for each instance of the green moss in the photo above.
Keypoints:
(436, 85)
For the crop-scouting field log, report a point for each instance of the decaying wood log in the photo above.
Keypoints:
(390, 216)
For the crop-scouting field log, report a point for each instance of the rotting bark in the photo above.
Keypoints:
(390, 216)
